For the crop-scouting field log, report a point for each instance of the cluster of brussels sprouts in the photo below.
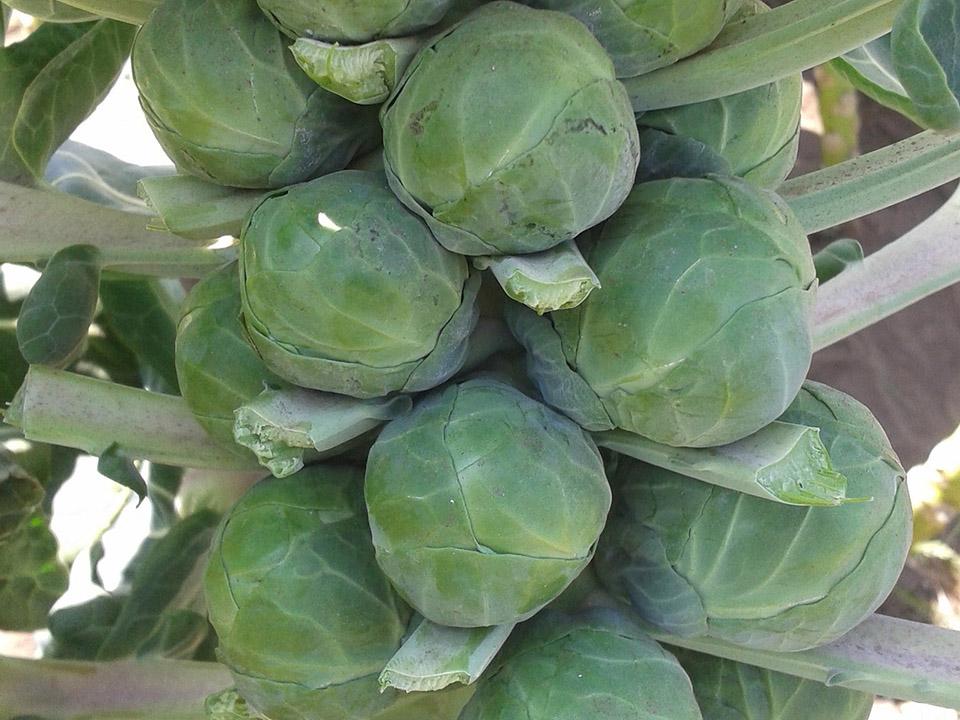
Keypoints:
(509, 133)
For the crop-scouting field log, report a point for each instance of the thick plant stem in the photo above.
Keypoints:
(883, 655)
(765, 47)
(129, 690)
(35, 224)
(873, 181)
(923, 261)
(64, 408)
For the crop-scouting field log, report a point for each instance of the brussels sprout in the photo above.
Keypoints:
(351, 21)
(393, 316)
(728, 690)
(700, 335)
(756, 132)
(217, 369)
(640, 35)
(509, 132)
(484, 504)
(51, 11)
(598, 664)
(697, 559)
(228, 103)
(305, 619)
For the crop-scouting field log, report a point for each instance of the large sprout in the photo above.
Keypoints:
(641, 35)
(306, 620)
(598, 664)
(509, 132)
(228, 103)
(351, 21)
(729, 690)
(700, 335)
(217, 368)
(395, 313)
(697, 559)
(484, 504)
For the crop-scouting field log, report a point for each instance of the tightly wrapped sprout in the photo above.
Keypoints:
(484, 504)
(700, 334)
(598, 664)
(305, 619)
(395, 314)
(640, 35)
(217, 368)
(729, 690)
(509, 133)
(697, 559)
(227, 102)
(353, 21)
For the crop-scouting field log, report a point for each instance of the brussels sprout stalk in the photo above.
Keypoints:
(918, 264)
(68, 409)
(134, 12)
(883, 655)
(868, 183)
(37, 223)
(71, 690)
(754, 51)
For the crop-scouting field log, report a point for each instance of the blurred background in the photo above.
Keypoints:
(906, 369)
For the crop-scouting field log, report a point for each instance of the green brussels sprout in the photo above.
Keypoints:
(350, 21)
(697, 559)
(306, 620)
(228, 103)
(597, 664)
(641, 35)
(484, 504)
(700, 335)
(395, 313)
(757, 132)
(509, 133)
(729, 690)
(217, 368)
(51, 11)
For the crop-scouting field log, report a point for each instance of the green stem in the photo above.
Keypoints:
(765, 47)
(63, 408)
(883, 655)
(35, 224)
(129, 690)
(909, 269)
(871, 182)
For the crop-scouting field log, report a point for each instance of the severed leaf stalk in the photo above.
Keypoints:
(555, 279)
(435, 656)
(782, 462)
(196, 209)
(363, 74)
(282, 427)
